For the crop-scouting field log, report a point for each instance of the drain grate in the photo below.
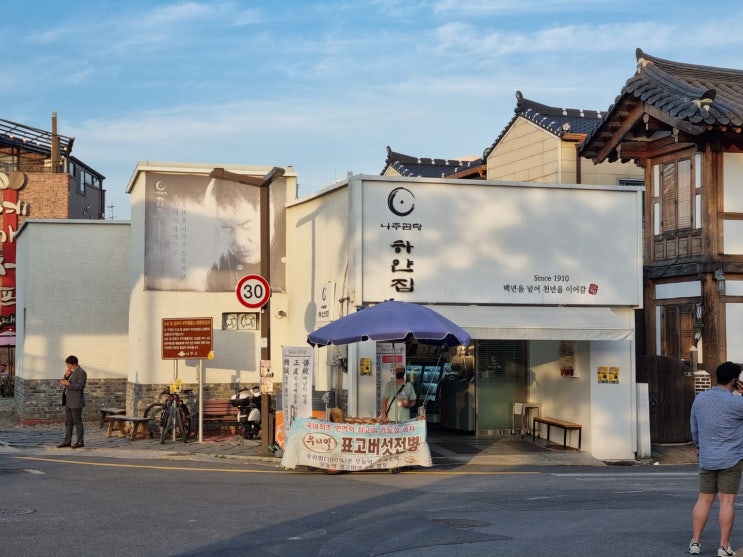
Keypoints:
(15, 512)
(15, 471)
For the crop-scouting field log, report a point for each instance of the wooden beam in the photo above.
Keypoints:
(222, 174)
(273, 174)
(649, 149)
(628, 122)
(673, 122)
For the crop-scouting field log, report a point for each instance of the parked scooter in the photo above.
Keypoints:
(248, 404)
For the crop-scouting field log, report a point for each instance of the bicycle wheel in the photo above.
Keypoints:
(155, 412)
(187, 423)
(182, 431)
(168, 419)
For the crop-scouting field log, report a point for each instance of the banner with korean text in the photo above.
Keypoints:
(296, 389)
(354, 447)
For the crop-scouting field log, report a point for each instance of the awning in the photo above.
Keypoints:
(7, 338)
(540, 323)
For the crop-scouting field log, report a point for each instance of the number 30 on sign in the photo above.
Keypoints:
(253, 291)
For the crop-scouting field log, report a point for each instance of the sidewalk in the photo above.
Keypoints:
(447, 448)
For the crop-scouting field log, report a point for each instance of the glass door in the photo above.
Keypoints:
(500, 376)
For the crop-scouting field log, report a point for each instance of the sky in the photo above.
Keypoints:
(325, 86)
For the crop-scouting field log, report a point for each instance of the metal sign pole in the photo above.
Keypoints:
(201, 401)
(265, 313)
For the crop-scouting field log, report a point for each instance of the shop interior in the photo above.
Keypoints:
(471, 389)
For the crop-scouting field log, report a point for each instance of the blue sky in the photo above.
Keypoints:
(325, 86)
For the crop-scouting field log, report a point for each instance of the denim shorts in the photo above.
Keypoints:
(723, 481)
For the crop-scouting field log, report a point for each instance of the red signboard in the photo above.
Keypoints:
(187, 338)
(13, 207)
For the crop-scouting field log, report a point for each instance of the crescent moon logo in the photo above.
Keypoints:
(401, 201)
(159, 185)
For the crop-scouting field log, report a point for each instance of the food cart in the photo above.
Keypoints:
(366, 443)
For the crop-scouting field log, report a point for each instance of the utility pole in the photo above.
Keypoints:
(265, 214)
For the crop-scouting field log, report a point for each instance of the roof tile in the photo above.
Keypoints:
(558, 121)
(407, 165)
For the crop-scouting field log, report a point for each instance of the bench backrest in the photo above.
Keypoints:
(221, 407)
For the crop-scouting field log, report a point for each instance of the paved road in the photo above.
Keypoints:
(502, 496)
(85, 504)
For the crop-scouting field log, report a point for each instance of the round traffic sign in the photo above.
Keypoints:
(253, 291)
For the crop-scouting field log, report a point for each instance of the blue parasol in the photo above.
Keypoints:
(391, 321)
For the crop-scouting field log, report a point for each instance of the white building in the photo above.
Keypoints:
(101, 290)
(544, 277)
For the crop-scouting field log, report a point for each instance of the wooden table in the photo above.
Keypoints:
(106, 412)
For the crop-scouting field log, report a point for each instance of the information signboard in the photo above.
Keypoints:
(187, 338)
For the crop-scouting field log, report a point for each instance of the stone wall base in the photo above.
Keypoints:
(39, 401)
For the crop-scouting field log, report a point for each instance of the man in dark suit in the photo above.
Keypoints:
(73, 400)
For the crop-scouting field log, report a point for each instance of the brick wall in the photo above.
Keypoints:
(702, 381)
(47, 196)
(40, 400)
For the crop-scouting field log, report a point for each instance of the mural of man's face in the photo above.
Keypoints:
(240, 227)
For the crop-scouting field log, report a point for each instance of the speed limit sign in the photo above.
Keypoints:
(253, 291)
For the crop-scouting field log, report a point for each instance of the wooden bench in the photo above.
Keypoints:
(106, 412)
(118, 423)
(566, 426)
(219, 410)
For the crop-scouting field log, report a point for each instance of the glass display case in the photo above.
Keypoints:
(426, 379)
(429, 384)
(414, 376)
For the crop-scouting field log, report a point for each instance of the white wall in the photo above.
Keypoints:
(644, 446)
(606, 411)
(482, 242)
(318, 253)
(733, 326)
(613, 409)
(732, 171)
(73, 296)
(566, 398)
(237, 353)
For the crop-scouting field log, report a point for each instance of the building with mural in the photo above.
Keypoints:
(193, 234)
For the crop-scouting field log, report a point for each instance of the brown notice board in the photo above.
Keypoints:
(187, 338)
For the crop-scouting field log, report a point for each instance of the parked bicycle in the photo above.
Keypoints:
(170, 417)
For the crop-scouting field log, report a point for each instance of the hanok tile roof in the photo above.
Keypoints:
(565, 123)
(410, 166)
(687, 98)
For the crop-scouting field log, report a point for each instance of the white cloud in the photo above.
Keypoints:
(325, 86)
(500, 7)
